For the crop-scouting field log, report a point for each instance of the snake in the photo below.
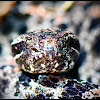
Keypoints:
(40, 54)
(46, 51)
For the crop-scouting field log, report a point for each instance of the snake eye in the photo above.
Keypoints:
(74, 43)
(17, 48)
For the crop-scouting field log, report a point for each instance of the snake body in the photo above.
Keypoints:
(46, 51)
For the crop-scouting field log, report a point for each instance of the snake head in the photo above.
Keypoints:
(46, 51)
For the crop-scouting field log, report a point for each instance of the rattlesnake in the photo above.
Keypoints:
(49, 51)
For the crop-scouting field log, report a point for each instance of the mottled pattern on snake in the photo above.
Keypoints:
(46, 51)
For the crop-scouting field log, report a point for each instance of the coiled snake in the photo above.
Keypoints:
(50, 51)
